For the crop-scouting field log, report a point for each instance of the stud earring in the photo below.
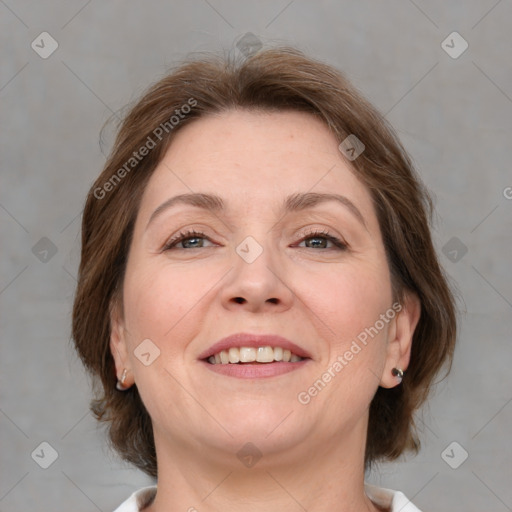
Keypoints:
(120, 383)
(398, 373)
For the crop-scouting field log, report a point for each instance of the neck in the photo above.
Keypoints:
(319, 475)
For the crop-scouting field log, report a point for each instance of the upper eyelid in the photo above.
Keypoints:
(191, 232)
(185, 234)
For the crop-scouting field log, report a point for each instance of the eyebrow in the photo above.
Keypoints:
(293, 203)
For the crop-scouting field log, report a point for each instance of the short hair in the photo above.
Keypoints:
(271, 80)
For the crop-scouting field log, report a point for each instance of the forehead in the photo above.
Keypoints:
(254, 159)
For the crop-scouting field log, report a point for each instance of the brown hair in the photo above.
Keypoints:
(274, 79)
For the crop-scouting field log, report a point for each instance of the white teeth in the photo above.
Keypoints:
(265, 355)
(252, 354)
(247, 354)
(234, 355)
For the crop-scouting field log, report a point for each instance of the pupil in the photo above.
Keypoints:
(193, 238)
(321, 244)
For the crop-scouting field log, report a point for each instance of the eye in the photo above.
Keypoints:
(321, 239)
(188, 239)
(195, 240)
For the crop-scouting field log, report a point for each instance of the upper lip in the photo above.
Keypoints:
(253, 340)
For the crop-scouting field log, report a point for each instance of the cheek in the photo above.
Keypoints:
(149, 313)
(347, 300)
(163, 304)
(350, 303)
(160, 299)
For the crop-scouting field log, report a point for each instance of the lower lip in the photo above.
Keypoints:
(255, 371)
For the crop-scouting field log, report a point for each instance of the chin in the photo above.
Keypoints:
(263, 421)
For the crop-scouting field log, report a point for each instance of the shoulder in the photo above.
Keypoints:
(138, 500)
(393, 500)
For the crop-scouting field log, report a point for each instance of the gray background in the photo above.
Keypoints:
(454, 116)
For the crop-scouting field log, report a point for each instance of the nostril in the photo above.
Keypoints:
(239, 300)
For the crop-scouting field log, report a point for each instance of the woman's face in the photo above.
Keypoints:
(256, 266)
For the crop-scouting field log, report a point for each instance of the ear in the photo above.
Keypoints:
(119, 346)
(401, 331)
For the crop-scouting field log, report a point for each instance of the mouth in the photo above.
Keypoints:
(260, 355)
(254, 356)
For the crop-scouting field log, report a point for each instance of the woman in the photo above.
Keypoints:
(258, 292)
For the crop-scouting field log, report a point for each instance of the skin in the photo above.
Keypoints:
(309, 291)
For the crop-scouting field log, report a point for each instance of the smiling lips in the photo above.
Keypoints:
(253, 356)
(246, 347)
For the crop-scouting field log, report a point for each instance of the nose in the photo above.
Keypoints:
(258, 280)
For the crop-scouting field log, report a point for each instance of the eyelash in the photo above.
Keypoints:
(185, 235)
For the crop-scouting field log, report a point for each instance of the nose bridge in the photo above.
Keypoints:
(254, 261)
(255, 279)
